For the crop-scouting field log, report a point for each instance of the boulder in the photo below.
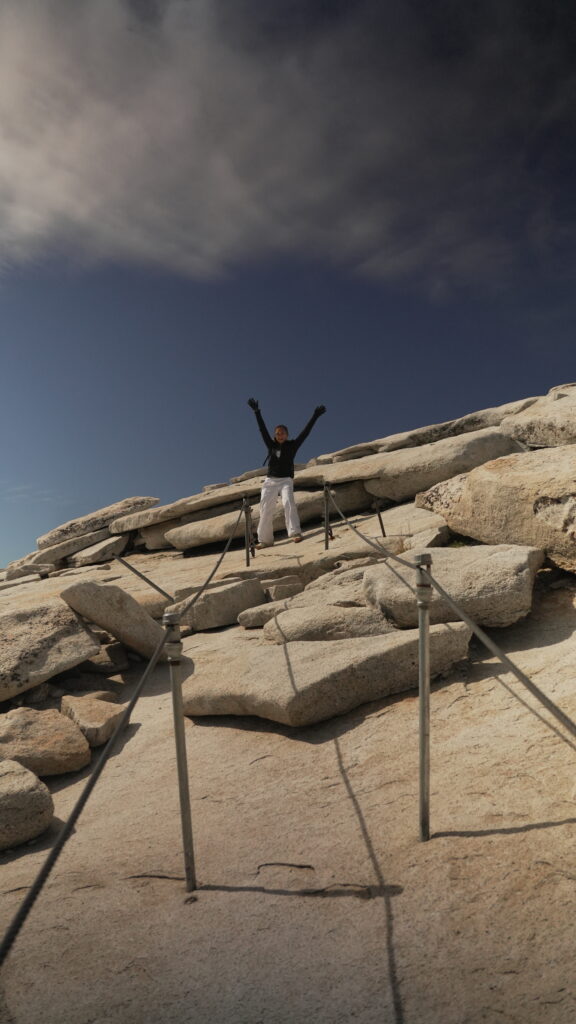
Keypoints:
(493, 585)
(96, 715)
(26, 805)
(301, 683)
(310, 506)
(528, 498)
(407, 472)
(46, 742)
(399, 475)
(38, 642)
(340, 589)
(94, 521)
(325, 622)
(104, 551)
(56, 554)
(221, 605)
(116, 611)
(549, 422)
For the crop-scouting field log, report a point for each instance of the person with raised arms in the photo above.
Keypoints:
(279, 481)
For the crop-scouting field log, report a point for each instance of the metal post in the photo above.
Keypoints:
(327, 530)
(377, 509)
(423, 595)
(171, 623)
(247, 528)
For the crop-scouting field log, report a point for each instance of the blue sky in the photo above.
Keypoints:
(203, 202)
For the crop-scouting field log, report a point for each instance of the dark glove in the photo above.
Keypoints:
(319, 410)
(253, 404)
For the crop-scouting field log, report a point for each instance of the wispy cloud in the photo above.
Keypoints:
(403, 140)
(29, 494)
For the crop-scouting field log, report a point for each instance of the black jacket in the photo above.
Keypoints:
(281, 456)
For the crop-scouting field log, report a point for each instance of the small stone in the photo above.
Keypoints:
(26, 806)
(46, 742)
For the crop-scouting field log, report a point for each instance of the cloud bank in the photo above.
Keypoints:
(405, 140)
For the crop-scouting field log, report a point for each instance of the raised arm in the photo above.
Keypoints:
(261, 425)
(318, 411)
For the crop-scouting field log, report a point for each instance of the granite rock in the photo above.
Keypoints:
(45, 742)
(26, 805)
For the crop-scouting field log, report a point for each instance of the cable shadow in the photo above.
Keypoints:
(41, 844)
(386, 890)
(509, 830)
(349, 890)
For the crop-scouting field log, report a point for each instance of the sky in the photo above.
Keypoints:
(363, 204)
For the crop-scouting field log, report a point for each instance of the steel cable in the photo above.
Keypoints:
(64, 835)
(44, 873)
(506, 661)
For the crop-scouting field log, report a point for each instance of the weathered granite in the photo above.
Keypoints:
(491, 417)
(411, 470)
(301, 683)
(94, 520)
(46, 742)
(399, 475)
(310, 506)
(96, 715)
(26, 805)
(549, 422)
(38, 642)
(528, 498)
(104, 551)
(116, 611)
(325, 622)
(221, 605)
(56, 554)
(110, 660)
(492, 584)
(184, 506)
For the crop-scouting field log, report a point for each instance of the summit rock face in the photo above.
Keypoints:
(303, 724)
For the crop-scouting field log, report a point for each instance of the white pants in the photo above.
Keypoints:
(273, 487)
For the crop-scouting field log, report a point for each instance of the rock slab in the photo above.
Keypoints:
(94, 520)
(26, 805)
(38, 643)
(492, 584)
(528, 498)
(95, 715)
(221, 606)
(325, 623)
(117, 612)
(301, 683)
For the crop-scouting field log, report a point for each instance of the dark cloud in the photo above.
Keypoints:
(414, 141)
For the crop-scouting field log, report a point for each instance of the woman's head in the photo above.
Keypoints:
(281, 433)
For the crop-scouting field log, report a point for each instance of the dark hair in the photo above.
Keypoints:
(283, 425)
